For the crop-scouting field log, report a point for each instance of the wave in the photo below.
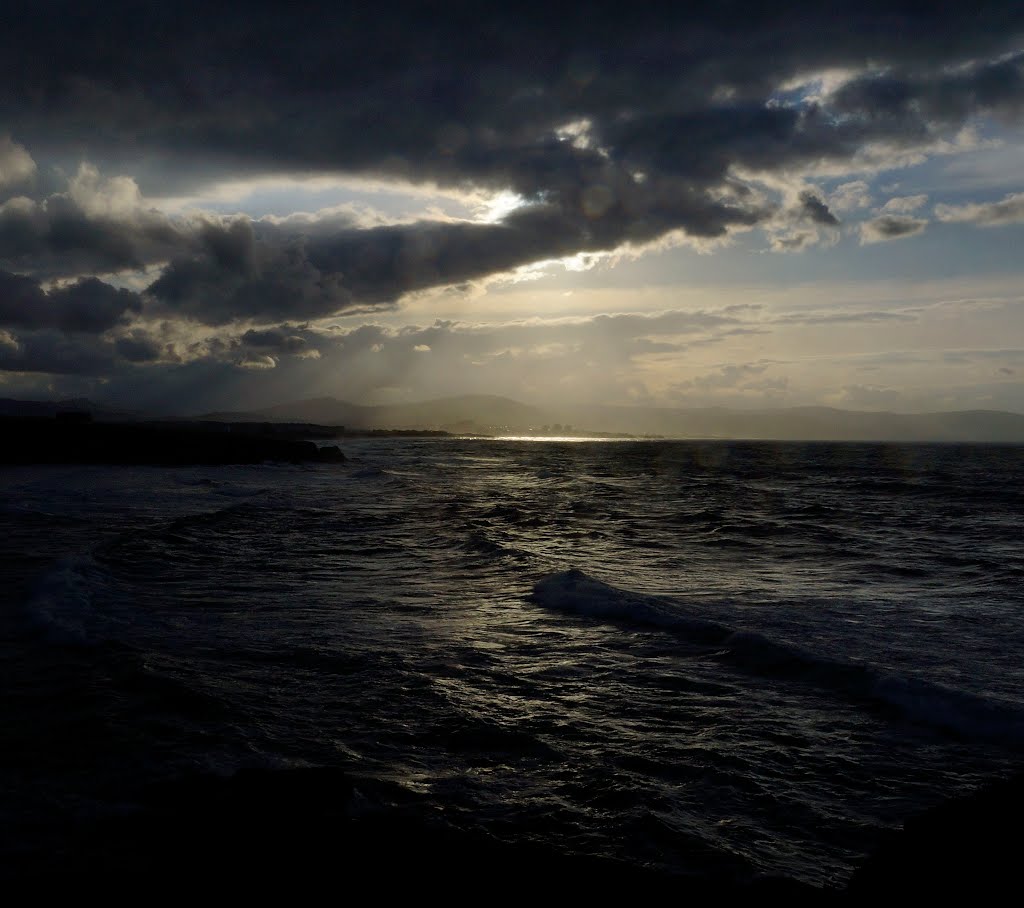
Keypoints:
(702, 516)
(918, 701)
(574, 591)
(61, 609)
(508, 512)
(370, 472)
(479, 543)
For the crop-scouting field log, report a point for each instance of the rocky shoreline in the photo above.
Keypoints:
(73, 441)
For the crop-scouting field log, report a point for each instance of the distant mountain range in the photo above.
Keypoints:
(497, 415)
(471, 413)
(492, 415)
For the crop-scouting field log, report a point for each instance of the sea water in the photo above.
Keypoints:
(697, 656)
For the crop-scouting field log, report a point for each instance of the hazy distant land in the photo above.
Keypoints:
(491, 415)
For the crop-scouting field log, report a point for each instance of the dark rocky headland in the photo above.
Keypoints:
(74, 439)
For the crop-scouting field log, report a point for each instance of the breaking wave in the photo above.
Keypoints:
(918, 701)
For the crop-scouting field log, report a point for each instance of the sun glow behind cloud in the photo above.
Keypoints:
(282, 195)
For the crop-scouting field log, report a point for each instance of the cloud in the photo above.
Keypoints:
(804, 222)
(816, 211)
(843, 318)
(139, 347)
(258, 361)
(850, 196)
(1008, 210)
(95, 226)
(890, 227)
(396, 89)
(16, 164)
(87, 306)
(904, 204)
(56, 353)
(613, 131)
(528, 355)
(602, 132)
(728, 376)
(914, 98)
(66, 330)
(871, 397)
(611, 357)
(281, 339)
(794, 240)
(266, 271)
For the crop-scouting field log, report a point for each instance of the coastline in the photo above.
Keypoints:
(151, 443)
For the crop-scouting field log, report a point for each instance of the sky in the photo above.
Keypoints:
(740, 204)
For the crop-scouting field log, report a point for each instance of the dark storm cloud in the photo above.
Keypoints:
(139, 347)
(353, 85)
(58, 236)
(237, 274)
(57, 353)
(86, 306)
(266, 271)
(909, 97)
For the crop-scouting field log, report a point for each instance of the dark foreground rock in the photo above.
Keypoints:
(74, 442)
(300, 833)
(330, 454)
(965, 851)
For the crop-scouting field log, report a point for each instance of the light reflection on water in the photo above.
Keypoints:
(563, 438)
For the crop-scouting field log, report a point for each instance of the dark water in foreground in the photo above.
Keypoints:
(748, 657)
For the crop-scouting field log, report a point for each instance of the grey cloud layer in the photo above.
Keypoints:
(87, 228)
(574, 357)
(603, 357)
(472, 93)
(86, 306)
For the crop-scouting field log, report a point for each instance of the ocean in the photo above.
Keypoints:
(699, 657)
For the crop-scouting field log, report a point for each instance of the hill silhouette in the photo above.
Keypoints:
(491, 414)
